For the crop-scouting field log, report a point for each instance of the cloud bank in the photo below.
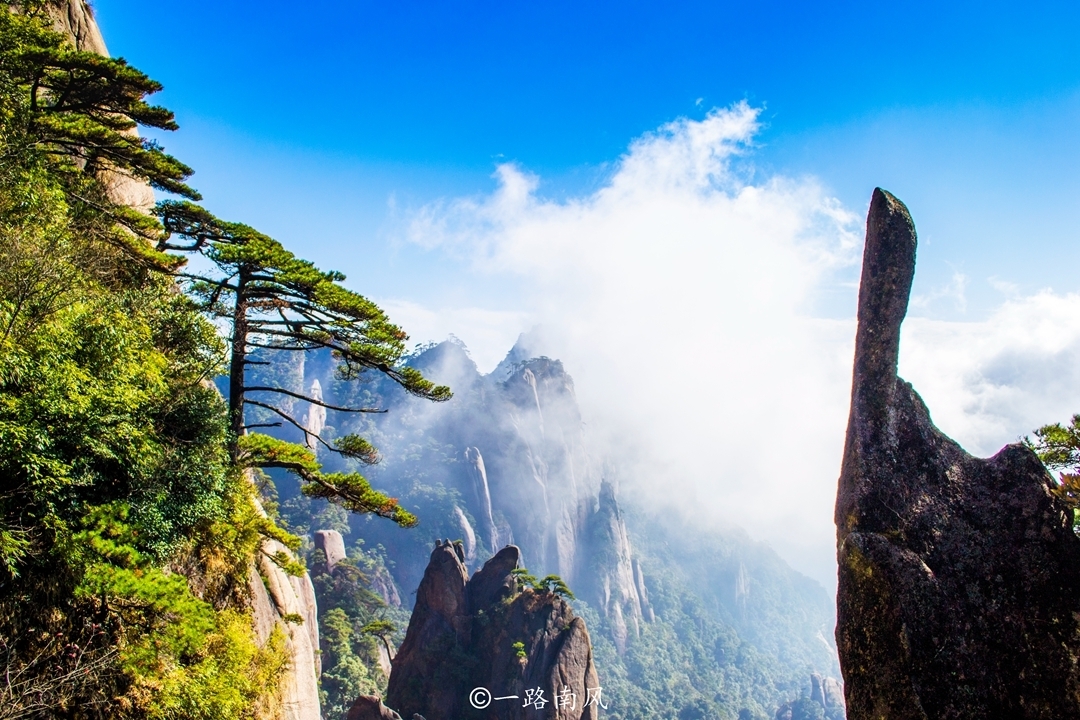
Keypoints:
(680, 295)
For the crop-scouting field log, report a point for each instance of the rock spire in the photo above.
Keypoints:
(959, 577)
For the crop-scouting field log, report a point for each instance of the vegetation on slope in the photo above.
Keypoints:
(128, 521)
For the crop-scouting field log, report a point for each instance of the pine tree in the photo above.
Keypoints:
(79, 112)
(275, 301)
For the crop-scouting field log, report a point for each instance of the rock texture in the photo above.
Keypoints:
(370, 707)
(959, 577)
(75, 19)
(273, 595)
(462, 636)
(611, 579)
(315, 417)
(285, 595)
(332, 545)
(827, 692)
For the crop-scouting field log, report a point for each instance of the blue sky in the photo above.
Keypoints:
(689, 178)
(968, 111)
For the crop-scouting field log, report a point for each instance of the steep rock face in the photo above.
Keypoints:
(528, 479)
(958, 586)
(428, 660)
(541, 478)
(382, 584)
(75, 19)
(483, 633)
(827, 692)
(825, 702)
(609, 578)
(482, 495)
(288, 595)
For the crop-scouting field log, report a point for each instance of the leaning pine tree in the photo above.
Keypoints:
(276, 301)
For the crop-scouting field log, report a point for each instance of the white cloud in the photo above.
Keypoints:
(488, 334)
(989, 383)
(955, 290)
(677, 295)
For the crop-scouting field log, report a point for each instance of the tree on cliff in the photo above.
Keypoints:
(275, 301)
(75, 114)
(127, 532)
(1058, 446)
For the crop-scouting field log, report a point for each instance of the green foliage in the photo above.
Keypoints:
(351, 490)
(379, 628)
(74, 114)
(114, 447)
(523, 578)
(276, 302)
(1058, 446)
(554, 584)
(354, 623)
(551, 584)
(519, 650)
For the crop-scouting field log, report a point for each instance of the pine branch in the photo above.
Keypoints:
(313, 401)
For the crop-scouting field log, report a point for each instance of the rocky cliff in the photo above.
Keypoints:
(274, 596)
(510, 450)
(959, 595)
(483, 647)
(824, 702)
(277, 597)
(608, 575)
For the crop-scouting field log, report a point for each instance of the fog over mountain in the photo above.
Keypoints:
(680, 617)
(707, 309)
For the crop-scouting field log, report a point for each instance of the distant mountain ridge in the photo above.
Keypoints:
(507, 460)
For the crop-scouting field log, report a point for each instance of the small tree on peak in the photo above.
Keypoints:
(382, 629)
(273, 300)
(554, 584)
(1058, 446)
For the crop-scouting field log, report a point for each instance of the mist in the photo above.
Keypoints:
(683, 294)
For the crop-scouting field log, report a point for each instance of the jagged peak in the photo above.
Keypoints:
(446, 362)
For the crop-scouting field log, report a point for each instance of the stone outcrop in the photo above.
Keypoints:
(486, 633)
(314, 417)
(75, 19)
(370, 707)
(468, 537)
(482, 495)
(332, 545)
(382, 584)
(276, 595)
(827, 692)
(611, 580)
(959, 577)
